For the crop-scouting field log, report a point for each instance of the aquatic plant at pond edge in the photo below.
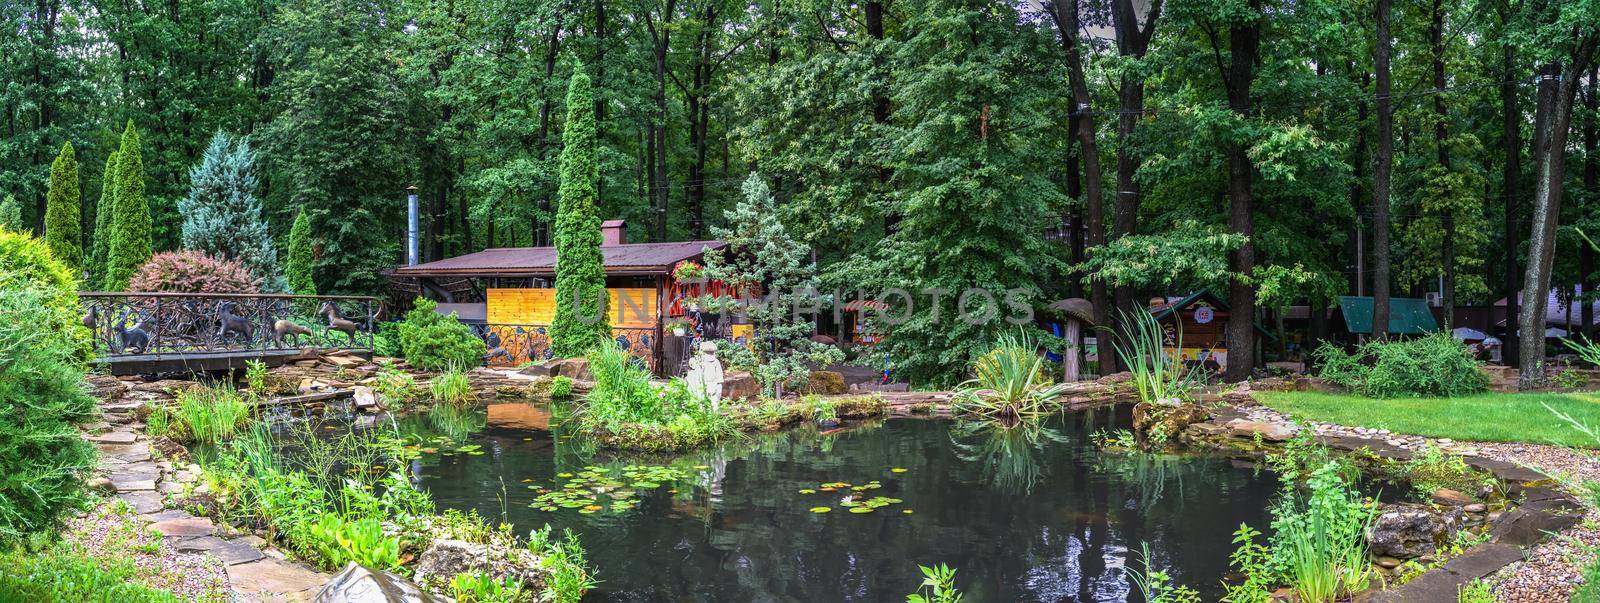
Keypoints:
(480, 587)
(938, 586)
(625, 410)
(452, 387)
(202, 414)
(338, 541)
(1009, 382)
(561, 387)
(568, 576)
(395, 387)
(1157, 376)
(1155, 585)
(1318, 547)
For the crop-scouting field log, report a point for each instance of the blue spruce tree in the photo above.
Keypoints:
(222, 216)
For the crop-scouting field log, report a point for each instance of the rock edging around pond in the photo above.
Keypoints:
(1540, 506)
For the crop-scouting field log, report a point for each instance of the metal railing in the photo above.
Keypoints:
(157, 324)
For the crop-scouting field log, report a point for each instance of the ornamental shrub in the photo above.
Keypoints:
(433, 341)
(103, 210)
(63, 213)
(43, 460)
(192, 272)
(1434, 365)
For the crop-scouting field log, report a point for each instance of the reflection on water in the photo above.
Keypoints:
(1024, 514)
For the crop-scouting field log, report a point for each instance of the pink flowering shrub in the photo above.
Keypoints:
(192, 272)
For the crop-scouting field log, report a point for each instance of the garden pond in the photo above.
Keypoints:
(1023, 514)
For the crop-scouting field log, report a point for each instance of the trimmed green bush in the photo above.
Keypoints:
(298, 268)
(63, 212)
(433, 341)
(43, 460)
(1430, 366)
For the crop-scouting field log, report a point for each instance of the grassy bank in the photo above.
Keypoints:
(1492, 417)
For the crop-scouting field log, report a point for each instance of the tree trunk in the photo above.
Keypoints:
(1382, 160)
(1591, 183)
(1065, 14)
(1244, 40)
(1074, 217)
(1552, 117)
(880, 105)
(1133, 40)
(1441, 137)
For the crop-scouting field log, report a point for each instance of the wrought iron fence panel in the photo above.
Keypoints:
(178, 323)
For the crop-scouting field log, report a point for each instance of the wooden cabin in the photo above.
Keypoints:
(508, 294)
(1194, 328)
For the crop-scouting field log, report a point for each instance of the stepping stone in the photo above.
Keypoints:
(192, 526)
(169, 487)
(143, 502)
(233, 552)
(197, 544)
(274, 580)
(114, 437)
(164, 515)
(127, 453)
(133, 485)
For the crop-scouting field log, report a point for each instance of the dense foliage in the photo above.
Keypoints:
(129, 242)
(1434, 365)
(63, 209)
(943, 144)
(433, 341)
(625, 410)
(191, 272)
(43, 460)
(222, 216)
(581, 316)
(103, 210)
(11, 214)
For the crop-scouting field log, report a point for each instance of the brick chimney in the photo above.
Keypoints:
(613, 232)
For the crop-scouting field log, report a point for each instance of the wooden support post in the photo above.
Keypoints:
(1071, 357)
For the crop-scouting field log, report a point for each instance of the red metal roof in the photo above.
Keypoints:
(632, 258)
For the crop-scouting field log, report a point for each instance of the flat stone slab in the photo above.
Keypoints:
(113, 437)
(123, 484)
(143, 502)
(233, 552)
(273, 580)
(192, 526)
(164, 515)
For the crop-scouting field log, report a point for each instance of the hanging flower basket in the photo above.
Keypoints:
(688, 271)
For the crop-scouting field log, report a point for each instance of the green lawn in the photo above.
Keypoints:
(1484, 417)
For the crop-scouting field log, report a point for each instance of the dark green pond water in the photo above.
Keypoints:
(1036, 515)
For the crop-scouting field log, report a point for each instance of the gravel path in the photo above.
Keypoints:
(111, 533)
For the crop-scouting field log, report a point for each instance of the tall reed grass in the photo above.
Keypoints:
(1156, 375)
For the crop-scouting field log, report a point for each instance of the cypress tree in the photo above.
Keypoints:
(63, 231)
(580, 318)
(222, 216)
(130, 219)
(298, 269)
(10, 214)
(102, 220)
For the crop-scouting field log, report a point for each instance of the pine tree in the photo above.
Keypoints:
(580, 318)
(130, 219)
(222, 216)
(298, 269)
(10, 214)
(102, 220)
(63, 231)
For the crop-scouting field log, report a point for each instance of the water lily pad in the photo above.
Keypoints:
(702, 467)
(646, 485)
(860, 509)
(899, 470)
(907, 511)
(564, 475)
(807, 491)
(821, 509)
(592, 508)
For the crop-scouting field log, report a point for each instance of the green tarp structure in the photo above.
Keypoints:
(1407, 315)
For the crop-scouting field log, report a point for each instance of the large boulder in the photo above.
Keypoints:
(357, 584)
(446, 558)
(740, 385)
(1271, 432)
(826, 383)
(1167, 418)
(574, 368)
(1408, 532)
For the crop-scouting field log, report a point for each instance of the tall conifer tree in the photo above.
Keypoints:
(130, 219)
(101, 243)
(580, 318)
(63, 231)
(222, 216)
